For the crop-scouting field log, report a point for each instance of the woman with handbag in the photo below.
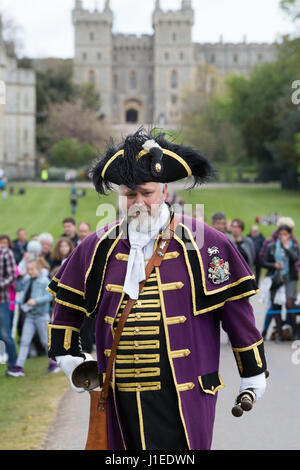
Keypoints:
(280, 258)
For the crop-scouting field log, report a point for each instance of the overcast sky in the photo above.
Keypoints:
(47, 29)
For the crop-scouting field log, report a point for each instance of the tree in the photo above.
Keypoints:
(203, 122)
(260, 107)
(12, 35)
(284, 149)
(65, 109)
(53, 85)
(297, 137)
(89, 95)
(71, 154)
(72, 120)
(292, 8)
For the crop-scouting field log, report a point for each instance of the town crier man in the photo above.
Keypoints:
(165, 379)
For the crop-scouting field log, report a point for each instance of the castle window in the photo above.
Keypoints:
(132, 57)
(92, 36)
(92, 76)
(212, 58)
(181, 55)
(166, 55)
(174, 79)
(161, 119)
(235, 58)
(115, 57)
(25, 135)
(259, 57)
(84, 56)
(174, 36)
(133, 80)
(173, 99)
(116, 81)
(150, 81)
(99, 55)
(131, 115)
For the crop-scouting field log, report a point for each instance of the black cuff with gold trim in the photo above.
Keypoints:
(251, 360)
(63, 340)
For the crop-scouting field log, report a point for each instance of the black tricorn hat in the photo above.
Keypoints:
(143, 157)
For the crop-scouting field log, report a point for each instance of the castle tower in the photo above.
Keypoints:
(186, 4)
(78, 4)
(107, 5)
(93, 50)
(173, 59)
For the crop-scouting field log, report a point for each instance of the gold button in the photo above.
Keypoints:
(212, 387)
(138, 316)
(136, 344)
(139, 386)
(137, 330)
(137, 358)
(139, 302)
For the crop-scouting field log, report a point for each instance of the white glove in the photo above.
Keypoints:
(69, 363)
(257, 382)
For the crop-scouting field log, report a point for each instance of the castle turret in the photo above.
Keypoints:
(93, 50)
(186, 4)
(173, 59)
(107, 6)
(78, 4)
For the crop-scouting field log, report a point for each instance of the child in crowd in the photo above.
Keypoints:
(35, 304)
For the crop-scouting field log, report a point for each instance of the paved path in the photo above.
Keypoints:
(273, 424)
(69, 431)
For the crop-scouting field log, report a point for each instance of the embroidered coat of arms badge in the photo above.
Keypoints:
(218, 270)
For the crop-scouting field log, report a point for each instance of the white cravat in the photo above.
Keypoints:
(141, 247)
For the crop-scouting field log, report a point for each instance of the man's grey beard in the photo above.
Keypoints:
(144, 222)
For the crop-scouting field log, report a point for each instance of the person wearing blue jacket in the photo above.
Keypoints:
(35, 302)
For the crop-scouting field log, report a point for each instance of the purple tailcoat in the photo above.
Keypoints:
(193, 307)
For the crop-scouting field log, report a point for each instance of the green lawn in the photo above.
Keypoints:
(43, 208)
(246, 203)
(28, 405)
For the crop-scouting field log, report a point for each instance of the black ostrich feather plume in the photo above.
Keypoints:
(128, 170)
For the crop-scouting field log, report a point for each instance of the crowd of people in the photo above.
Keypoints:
(279, 255)
(27, 266)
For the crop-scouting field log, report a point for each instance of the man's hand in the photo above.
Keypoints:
(69, 363)
(258, 383)
(31, 302)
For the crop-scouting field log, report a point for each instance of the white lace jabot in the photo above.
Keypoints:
(141, 247)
